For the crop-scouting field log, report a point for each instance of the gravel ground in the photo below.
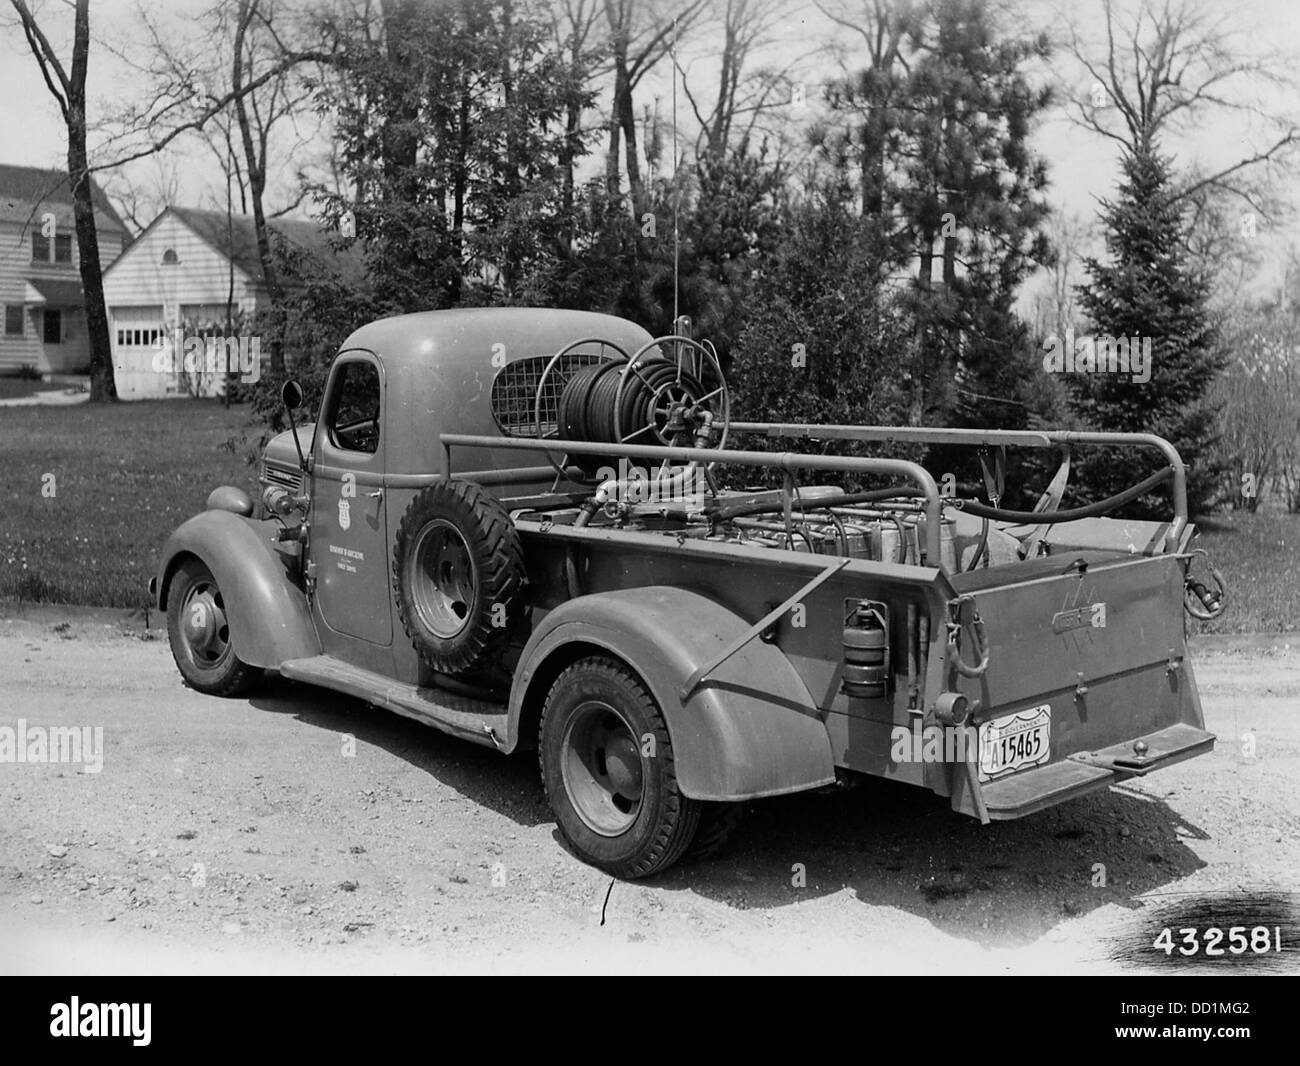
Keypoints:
(242, 836)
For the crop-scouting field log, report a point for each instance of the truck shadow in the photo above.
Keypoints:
(508, 785)
(1000, 885)
(890, 845)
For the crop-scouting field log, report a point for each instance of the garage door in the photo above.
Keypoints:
(136, 333)
(136, 327)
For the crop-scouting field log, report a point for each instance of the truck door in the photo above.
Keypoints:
(349, 525)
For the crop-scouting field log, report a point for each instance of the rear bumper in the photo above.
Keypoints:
(1034, 790)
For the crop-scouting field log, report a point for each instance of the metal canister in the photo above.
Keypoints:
(887, 544)
(947, 546)
(859, 541)
(866, 658)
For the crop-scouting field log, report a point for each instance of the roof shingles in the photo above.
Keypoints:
(235, 236)
(26, 192)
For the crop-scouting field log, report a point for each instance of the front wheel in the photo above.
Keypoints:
(608, 770)
(199, 632)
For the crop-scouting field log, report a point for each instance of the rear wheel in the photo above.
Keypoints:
(199, 631)
(609, 774)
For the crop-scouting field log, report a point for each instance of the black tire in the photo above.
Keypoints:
(592, 748)
(199, 633)
(457, 557)
(717, 821)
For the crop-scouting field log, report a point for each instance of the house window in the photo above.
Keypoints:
(53, 330)
(14, 320)
(40, 248)
(63, 247)
(170, 258)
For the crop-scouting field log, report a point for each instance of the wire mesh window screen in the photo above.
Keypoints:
(514, 392)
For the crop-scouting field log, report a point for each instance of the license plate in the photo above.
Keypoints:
(1015, 742)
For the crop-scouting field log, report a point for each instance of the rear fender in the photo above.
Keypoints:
(751, 730)
(269, 619)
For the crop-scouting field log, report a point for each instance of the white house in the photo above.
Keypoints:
(40, 278)
(188, 267)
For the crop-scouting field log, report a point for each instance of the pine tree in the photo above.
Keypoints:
(1149, 289)
(935, 134)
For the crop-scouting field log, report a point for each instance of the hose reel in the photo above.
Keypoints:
(670, 393)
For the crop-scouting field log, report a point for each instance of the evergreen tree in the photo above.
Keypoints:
(451, 129)
(931, 140)
(1149, 289)
(817, 345)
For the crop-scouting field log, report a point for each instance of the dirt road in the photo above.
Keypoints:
(304, 832)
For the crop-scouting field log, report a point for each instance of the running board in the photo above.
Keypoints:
(481, 721)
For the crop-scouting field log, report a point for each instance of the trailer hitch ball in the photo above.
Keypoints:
(952, 708)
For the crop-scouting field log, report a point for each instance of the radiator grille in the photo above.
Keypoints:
(277, 475)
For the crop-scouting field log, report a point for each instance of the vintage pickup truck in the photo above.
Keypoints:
(533, 528)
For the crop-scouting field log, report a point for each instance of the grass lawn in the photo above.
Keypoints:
(125, 475)
(15, 388)
(1259, 556)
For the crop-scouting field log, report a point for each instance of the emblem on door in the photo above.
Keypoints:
(345, 515)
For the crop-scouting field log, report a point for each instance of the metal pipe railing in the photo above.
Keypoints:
(787, 461)
(1015, 438)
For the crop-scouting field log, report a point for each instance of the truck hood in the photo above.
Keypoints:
(280, 450)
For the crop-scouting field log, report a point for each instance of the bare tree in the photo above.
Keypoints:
(236, 98)
(1171, 67)
(744, 93)
(576, 24)
(256, 115)
(67, 84)
(1055, 309)
(140, 201)
(1258, 400)
(873, 88)
(640, 36)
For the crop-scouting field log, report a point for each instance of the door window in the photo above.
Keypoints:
(354, 412)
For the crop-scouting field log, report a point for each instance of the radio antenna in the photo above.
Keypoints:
(677, 189)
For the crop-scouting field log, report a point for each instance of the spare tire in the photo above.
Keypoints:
(458, 576)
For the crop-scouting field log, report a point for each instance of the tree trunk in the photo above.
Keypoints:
(399, 145)
(103, 387)
(514, 164)
(627, 119)
(255, 162)
(920, 361)
(615, 131)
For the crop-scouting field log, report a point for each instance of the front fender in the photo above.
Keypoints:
(753, 730)
(269, 619)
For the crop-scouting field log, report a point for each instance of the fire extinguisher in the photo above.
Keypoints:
(866, 654)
